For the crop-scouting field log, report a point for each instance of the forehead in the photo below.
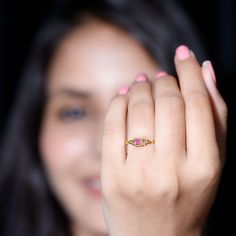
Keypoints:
(99, 58)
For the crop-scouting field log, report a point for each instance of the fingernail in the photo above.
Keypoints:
(160, 74)
(182, 52)
(192, 53)
(141, 77)
(210, 68)
(123, 90)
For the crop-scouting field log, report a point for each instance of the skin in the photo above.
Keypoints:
(99, 58)
(167, 188)
(96, 58)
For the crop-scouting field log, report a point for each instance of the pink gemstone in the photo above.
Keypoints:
(137, 141)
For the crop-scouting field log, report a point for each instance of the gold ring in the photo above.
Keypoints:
(139, 142)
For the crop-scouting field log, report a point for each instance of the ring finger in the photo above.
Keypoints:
(140, 118)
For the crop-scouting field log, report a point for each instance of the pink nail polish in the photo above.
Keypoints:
(208, 64)
(182, 52)
(123, 90)
(161, 74)
(141, 77)
(212, 71)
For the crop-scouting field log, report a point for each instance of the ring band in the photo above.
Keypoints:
(139, 142)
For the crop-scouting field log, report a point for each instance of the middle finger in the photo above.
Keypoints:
(169, 116)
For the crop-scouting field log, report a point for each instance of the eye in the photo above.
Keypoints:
(72, 113)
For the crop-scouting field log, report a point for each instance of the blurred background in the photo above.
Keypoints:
(215, 22)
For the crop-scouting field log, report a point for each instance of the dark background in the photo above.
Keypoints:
(216, 24)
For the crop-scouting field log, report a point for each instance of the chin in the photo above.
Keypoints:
(99, 227)
(97, 221)
(88, 215)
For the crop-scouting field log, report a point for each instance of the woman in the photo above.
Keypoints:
(68, 124)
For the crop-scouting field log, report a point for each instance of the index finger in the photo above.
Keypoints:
(114, 129)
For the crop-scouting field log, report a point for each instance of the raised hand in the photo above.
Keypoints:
(165, 188)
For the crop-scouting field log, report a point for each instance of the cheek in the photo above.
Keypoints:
(62, 149)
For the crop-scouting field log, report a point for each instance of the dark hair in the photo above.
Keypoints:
(28, 206)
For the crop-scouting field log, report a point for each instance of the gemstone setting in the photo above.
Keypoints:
(139, 142)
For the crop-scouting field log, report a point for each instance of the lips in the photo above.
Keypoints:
(93, 185)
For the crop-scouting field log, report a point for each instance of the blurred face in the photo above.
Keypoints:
(86, 71)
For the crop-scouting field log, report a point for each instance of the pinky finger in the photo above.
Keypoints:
(218, 105)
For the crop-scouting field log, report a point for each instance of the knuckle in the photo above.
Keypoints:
(135, 186)
(131, 191)
(196, 98)
(111, 127)
(135, 190)
(167, 190)
(116, 100)
(173, 102)
(111, 189)
(141, 109)
(209, 174)
(209, 154)
(167, 81)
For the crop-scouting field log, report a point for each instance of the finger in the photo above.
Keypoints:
(140, 119)
(219, 107)
(169, 116)
(113, 149)
(200, 129)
